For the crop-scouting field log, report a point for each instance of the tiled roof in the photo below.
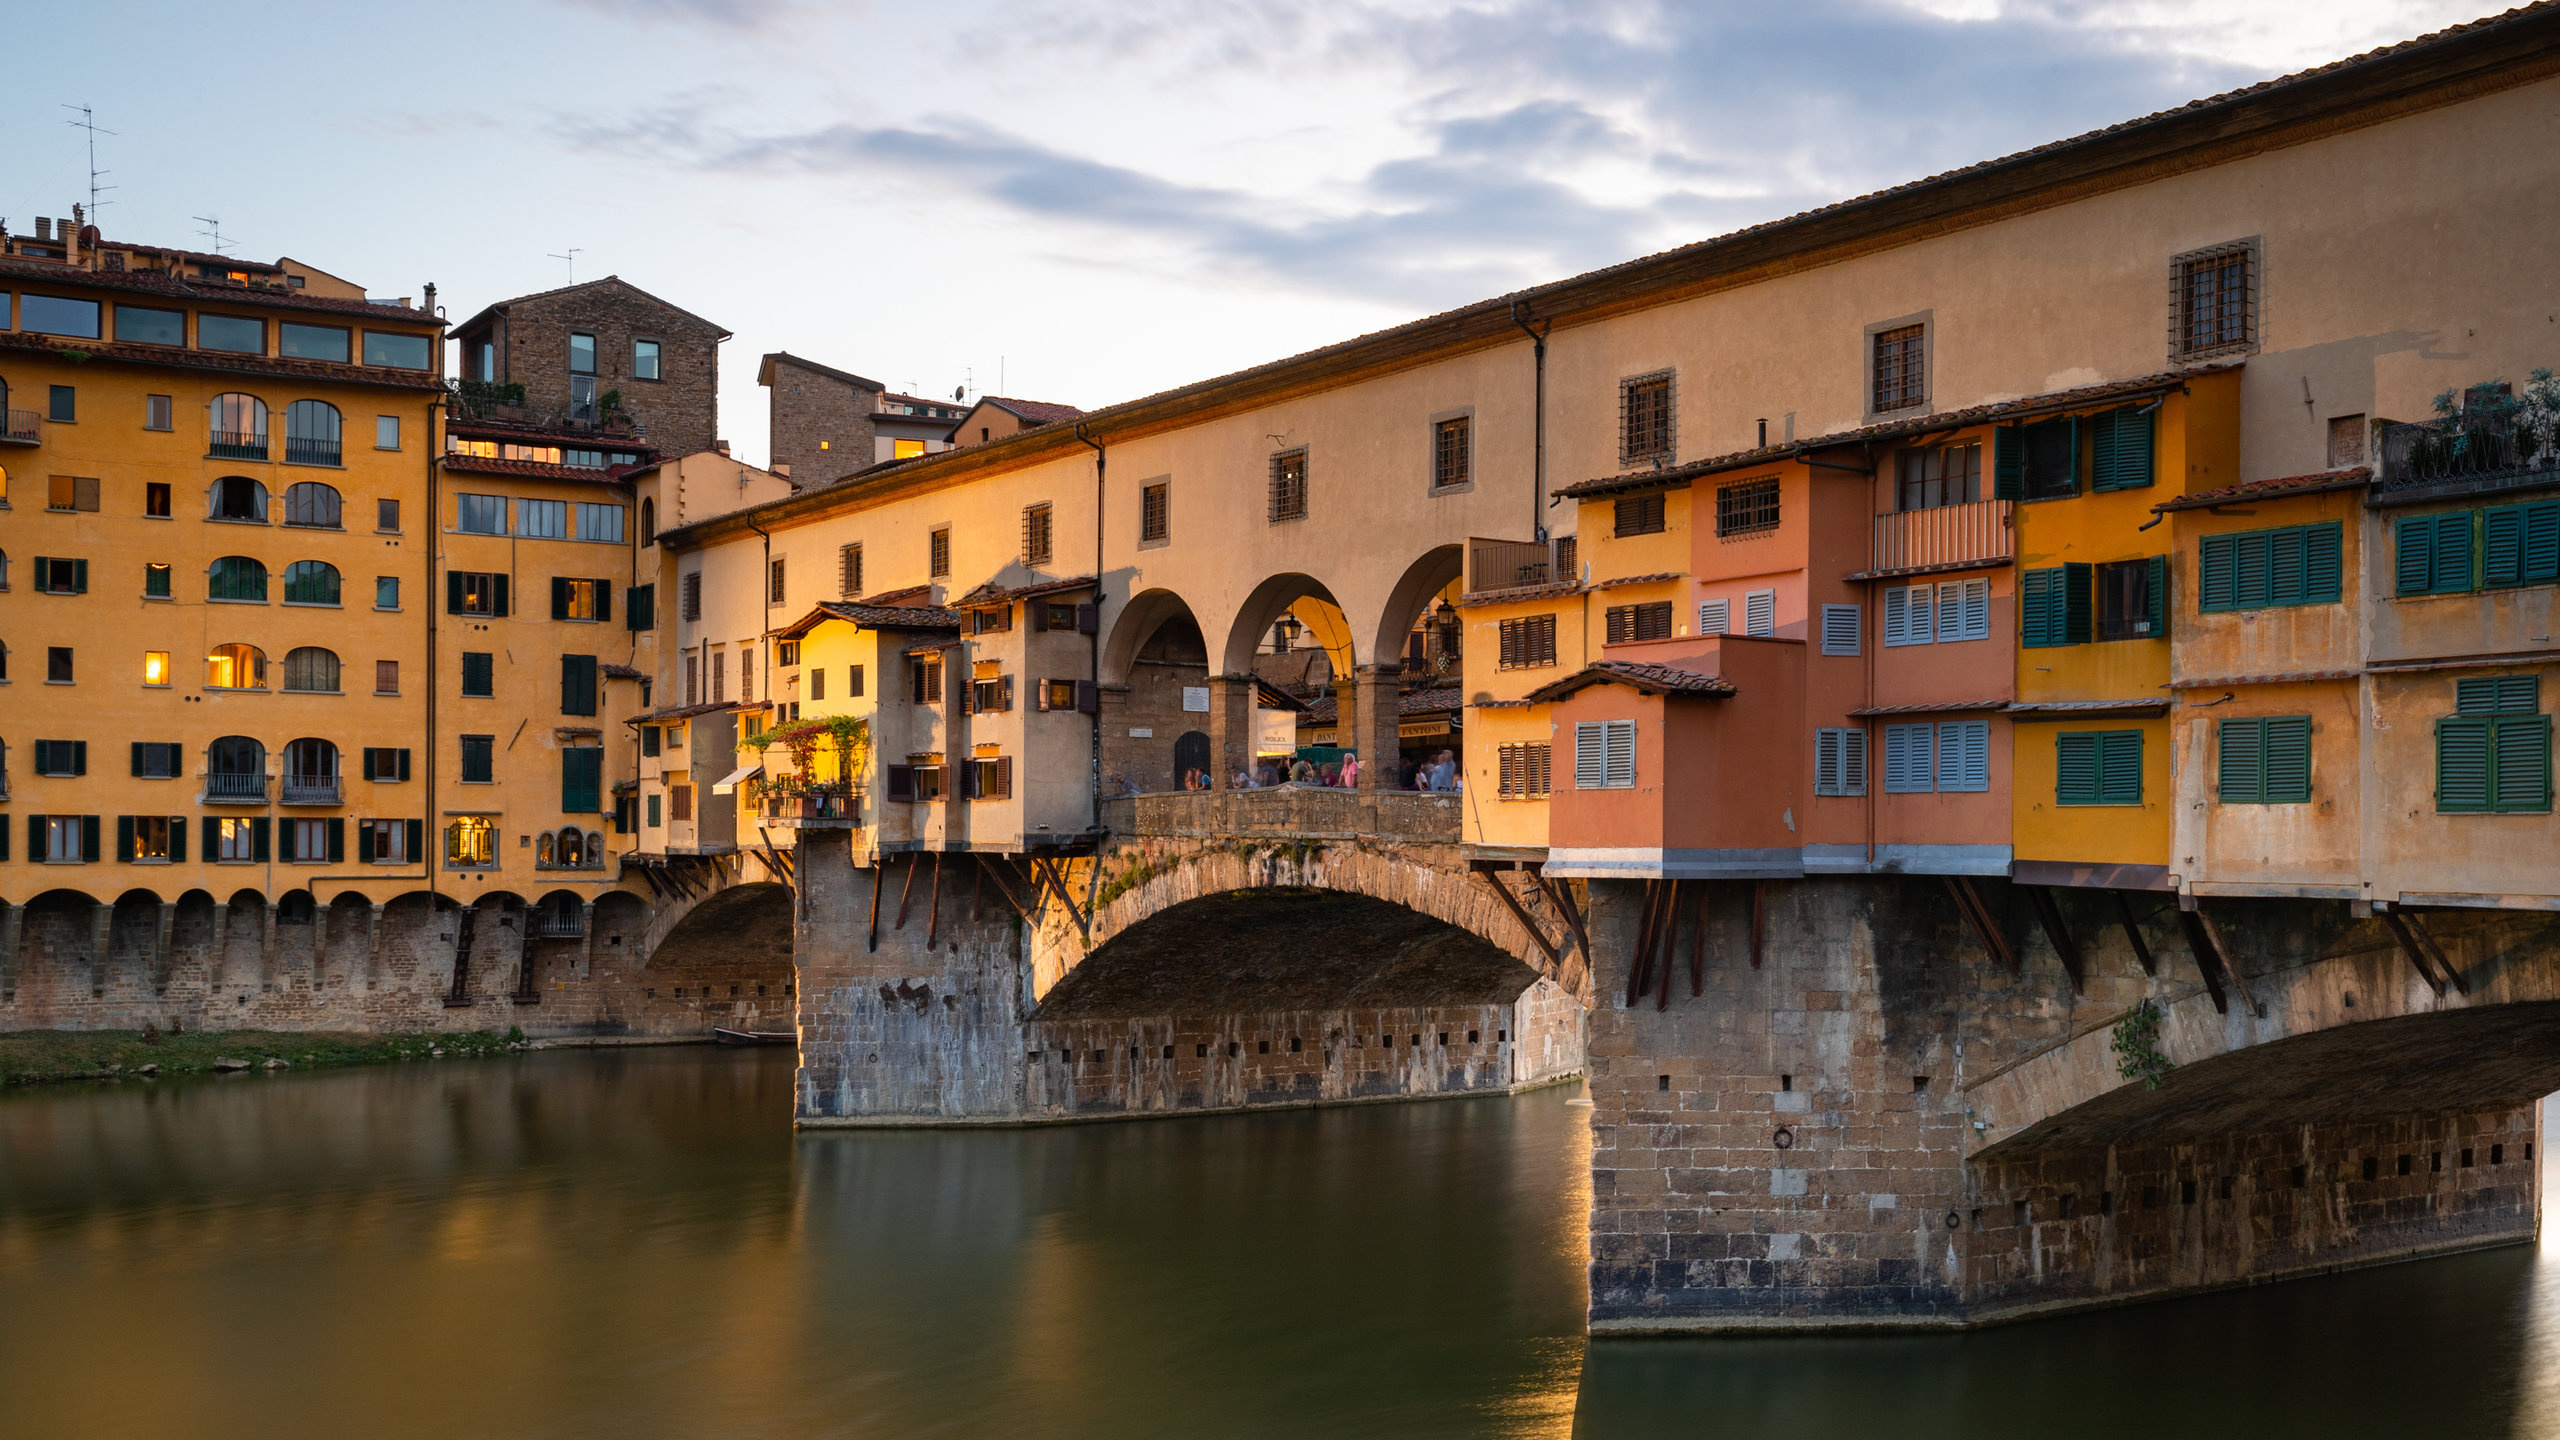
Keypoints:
(1984, 414)
(988, 594)
(274, 366)
(2354, 477)
(1432, 701)
(916, 594)
(1653, 579)
(1552, 589)
(675, 712)
(764, 370)
(1647, 678)
(535, 469)
(179, 288)
(1038, 412)
(2214, 682)
(1943, 707)
(2088, 707)
(497, 305)
(622, 672)
(893, 617)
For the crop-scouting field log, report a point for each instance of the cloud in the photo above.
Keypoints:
(724, 14)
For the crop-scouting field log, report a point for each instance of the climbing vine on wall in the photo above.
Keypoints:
(2137, 1045)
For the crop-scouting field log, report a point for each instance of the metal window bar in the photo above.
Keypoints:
(1746, 509)
(1450, 460)
(1901, 368)
(2213, 300)
(1289, 485)
(1645, 418)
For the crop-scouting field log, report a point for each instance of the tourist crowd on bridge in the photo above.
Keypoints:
(1435, 773)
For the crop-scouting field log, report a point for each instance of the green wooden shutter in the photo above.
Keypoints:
(79, 757)
(416, 832)
(2520, 763)
(124, 839)
(604, 601)
(35, 840)
(2008, 465)
(2218, 573)
(498, 591)
(2287, 778)
(2120, 768)
(364, 842)
(577, 684)
(2241, 767)
(559, 598)
(177, 838)
(337, 840)
(453, 592)
(262, 839)
(2038, 595)
(2079, 621)
(2158, 591)
(2322, 574)
(2121, 447)
(2541, 563)
(2284, 567)
(640, 607)
(212, 838)
(79, 577)
(89, 838)
(2502, 545)
(2462, 764)
(581, 780)
(2075, 768)
(2251, 563)
(2498, 695)
(2453, 552)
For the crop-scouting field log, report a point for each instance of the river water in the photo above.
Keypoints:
(636, 1244)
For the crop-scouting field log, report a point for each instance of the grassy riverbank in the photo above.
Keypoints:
(35, 1057)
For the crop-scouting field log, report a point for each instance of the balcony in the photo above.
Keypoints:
(2494, 443)
(238, 445)
(21, 427)
(1944, 537)
(820, 805)
(311, 790)
(227, 789)
(305, 452)
(1511, 564)
(555, 925)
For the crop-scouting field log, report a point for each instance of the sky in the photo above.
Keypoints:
(1074, 202)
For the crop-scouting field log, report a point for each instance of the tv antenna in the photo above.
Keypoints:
(212, 231)
(89, 123)
(571, 256)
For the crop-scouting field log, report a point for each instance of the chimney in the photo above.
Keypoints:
(782, 469)
(44, 227)
(720, 445)
(430, 306)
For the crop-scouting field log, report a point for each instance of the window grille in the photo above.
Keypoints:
(1451, 461)
(1155, 512)
(1289, 485)
(1746, 509)
(1901, 368)
(1640, 515)
(849, 571)
(1035, 535)
(2213, 300)
(940, 556)
(1645, 419)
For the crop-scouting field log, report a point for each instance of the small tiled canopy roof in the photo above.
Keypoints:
(1551, 589)
(1646, 679)
(989, 594)
(2354, 477)
(675, 712)
(871, 617)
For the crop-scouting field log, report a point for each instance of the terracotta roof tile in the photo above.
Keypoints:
(675, 712)
(1551, 590)
(1943, 707)
(534, 469)
(1038, 412)
(990, 594)
(273, 366)
(2354, 477)
(179, 288)
(1647, 678)
(1653, 579)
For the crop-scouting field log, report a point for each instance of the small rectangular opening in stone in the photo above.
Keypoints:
(1501, 1035)
(1234, 1048)
(1661, 1082)
(2106, 1202)
(2435, 1162)
(1293, 1045)
(2150, 1197)
(1133, 1052)
(1262, 1047)
(2069, 1204)
(2497, 1154)
(2404, 1166)
(1919, 1084)
(1444, 1037)
(1417, 1042)
(1977, 1219)
(1786, 1082)
(1200, 1052)
(2017, 1212)
(2186, 1192)
(2466, 1157)
(2300, 1176)
(2224, 1190)
(1471, 1037)
(1168, 1052)
(2372, 1168)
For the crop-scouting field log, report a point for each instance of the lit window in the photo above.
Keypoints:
(155, 582)
(471, 840)
(155, 665)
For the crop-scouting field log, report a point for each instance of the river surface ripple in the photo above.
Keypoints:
(636, 1244)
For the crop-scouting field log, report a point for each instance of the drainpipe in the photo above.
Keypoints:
(429, 834)
(1100, 460)
(1538, 422)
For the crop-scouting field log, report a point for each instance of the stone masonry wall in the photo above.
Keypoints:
(806, 407)
(680, 411)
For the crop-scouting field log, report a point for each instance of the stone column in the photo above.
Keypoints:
(267, 950)
(1380, 689)
(160, 948)
(372, 944)
(13, 930)
(587, 934)
(1230, 728)
(102, 923)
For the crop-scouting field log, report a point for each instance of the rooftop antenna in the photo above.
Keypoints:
(89, 123)
(212, 231)
(572, 257)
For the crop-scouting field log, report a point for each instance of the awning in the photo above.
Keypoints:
(729, 783)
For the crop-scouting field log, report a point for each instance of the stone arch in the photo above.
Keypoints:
(417, 937)
(752, 916)
(726, 962)
(342, 940)
(1267, 602)
(499, 943)
(131, 966)
(1136, 624)
(57, 952)
(1434, 571)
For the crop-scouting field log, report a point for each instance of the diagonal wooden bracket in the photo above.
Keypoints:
(2398, 925)
(1559, 895)
(1519, 912)
(2432, 964)
(1978, 918)
(2133, 935)
(2049, 914)
(1047, 868)
(2230, 962)
(991, 869)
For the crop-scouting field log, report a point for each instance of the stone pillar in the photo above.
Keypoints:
(267, 950)
(102, 922)
(1380, 689)
(1230, 728)
(13, 930)
(372, 944)
(221, 945)
(160, 948)
(587, 935)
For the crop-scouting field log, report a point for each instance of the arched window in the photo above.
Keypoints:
(239, 426)
(310, 582)
(235, 667)
(236, 577)
(542, 855)
(595, 849)
(573, 849)
(311, 762)
(308, 667)
(311, 429)
(237, 497)
(649, 521)
(312, 503)
(4, 569)
(235, 768)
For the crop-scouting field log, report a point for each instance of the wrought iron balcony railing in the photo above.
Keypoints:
(311, 790)
(1510, 564)
(2492, 443)
(222, 788)
(310, 452)
(238, 445)
(21, 427)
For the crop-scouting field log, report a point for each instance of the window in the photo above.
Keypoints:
(1715, 617)
(1947, 612)
(235, 839)
(159, 412)
(1288, 486)
(1639, 622)
(1638, 515)
(1522, 771)
(1644, 419)
(581, 599)
(471, 840)
(149, 837)
(386, 765)
(311, 582)
(924, 780)
(1909, 759)
(2295, 565)
(2053, 606)
(600, 523)
(480, 514)
(478, 593)
(1760, 613)
(655, 819)
(2520, 544)
(155, 499)
(312, 432)
(2133, 599)
(2098, 767)
(1604, 755)
(691, 599)
(386, 592)
(542, 519)
(905, 449)
(237, 497)
(578, 684)
(924, 677)
(1839, 761)
(311, 669)
(136, 325)
(386, 677)
(62, 404)
(1840, 627)
(988, 778)
(155, 667)
(1155, 513)
(2493, 754)
(235, 667)
(991, 620)
(237, 577)
(57, 576)
(1964, 755)
(65, 759)
(58, 315)
(310, 842)
(68, 839)
(385, 842)
(644, 360)
(582, 378)
(1035, 535)
(234, 334)
(640, 607)
(817, 681)
(479, 674)
(479, 759)
(57, 665)
(315, 342)
(1901, 368)
(153, 760)
(849, 571)
(2120, 449)
(1451, 459)
(1528, 643)
(396, 351)
(582, 780)
(386, 432)
(2213, 300)
(692, 679)
(993, 695)
(775, 587)
(1939, 475)
(938, 555)
(1749, 508)
(2264, 761)
(71, 492)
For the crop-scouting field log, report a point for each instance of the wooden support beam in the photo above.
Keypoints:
(993, 869)
(1698, 945)
(1559, 895)
(1640, 958)
(1520, 912)
(2435, 952)
(933, 906)
(2133, 934)
(2208, 958)
(906, 892)
(879, 880)
(2398, 925)
(2230, 963)
(1047, 869)
(1759, 918)
(2049, 914)
(1670, 943)
(1979, 919)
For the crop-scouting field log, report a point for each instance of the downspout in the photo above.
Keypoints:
(1538, 422)
(1100, 460)
(429, 833)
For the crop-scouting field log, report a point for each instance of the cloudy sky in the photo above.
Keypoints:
(1091, 201)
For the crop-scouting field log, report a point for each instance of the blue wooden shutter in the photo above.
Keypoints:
(2075, 768)
(2241, 768)
(2520, 774)
(2287, 776)
(2008, 464)
(2462, 763)
(2217, 573)
(2079, 583)
(2120, 768)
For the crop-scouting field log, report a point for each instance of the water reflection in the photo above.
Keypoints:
(636, 1244)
